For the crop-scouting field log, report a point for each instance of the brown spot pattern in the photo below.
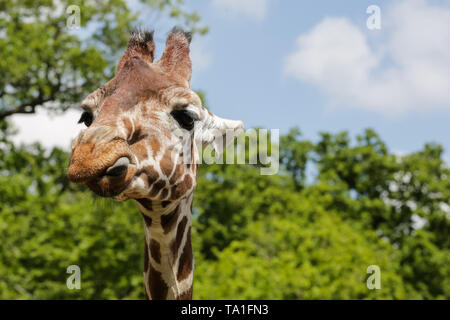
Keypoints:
(152, 174)
(146, 259)
(137, 136)
(147, 220)
(179, 237)
(187, 295)
(139, 150)
(157, 188)
(164, 193)
(158, 287)
(155, 250)
(146, 203)
(166, 164)
(143, 176)
(186, 258)
(169, 220)
(165, 203)
(179, 170)
(155, 145)
(180, 189)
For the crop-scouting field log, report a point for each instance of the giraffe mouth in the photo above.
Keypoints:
(115, 178)
(105, 168)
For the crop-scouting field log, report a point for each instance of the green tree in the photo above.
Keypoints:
(43, 63)
(295, 155)
(48, 224)
(309, 254)
(255, 237)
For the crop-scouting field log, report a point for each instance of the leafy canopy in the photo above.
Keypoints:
(44, 63)
(254, 236)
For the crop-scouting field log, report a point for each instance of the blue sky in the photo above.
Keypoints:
(246, 78)
(339, 76)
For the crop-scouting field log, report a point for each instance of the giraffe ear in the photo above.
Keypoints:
(175, 58)
(140, 45)
(218, 132)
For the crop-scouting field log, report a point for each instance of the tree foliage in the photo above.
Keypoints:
(44, 63)
(255, 236)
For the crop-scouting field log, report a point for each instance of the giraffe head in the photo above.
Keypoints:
(144, 126)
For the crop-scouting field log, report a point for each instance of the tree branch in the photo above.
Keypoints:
(25, 108)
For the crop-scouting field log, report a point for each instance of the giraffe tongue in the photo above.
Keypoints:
(119, 167)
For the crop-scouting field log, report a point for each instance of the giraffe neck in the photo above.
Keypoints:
(169, 262)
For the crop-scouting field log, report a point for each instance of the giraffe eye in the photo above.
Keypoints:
(184, 118)
(86, 118)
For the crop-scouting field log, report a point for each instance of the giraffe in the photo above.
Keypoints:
(144, 130)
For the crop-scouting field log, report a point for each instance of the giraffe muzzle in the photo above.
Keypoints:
(105, 168)
(115, 180)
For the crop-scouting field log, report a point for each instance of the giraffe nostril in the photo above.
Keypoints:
(119, 168)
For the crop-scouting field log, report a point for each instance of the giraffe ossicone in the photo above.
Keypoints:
(144, 130)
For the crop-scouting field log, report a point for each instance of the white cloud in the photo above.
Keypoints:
(255, 9)
(53, 131)
(407, 69)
